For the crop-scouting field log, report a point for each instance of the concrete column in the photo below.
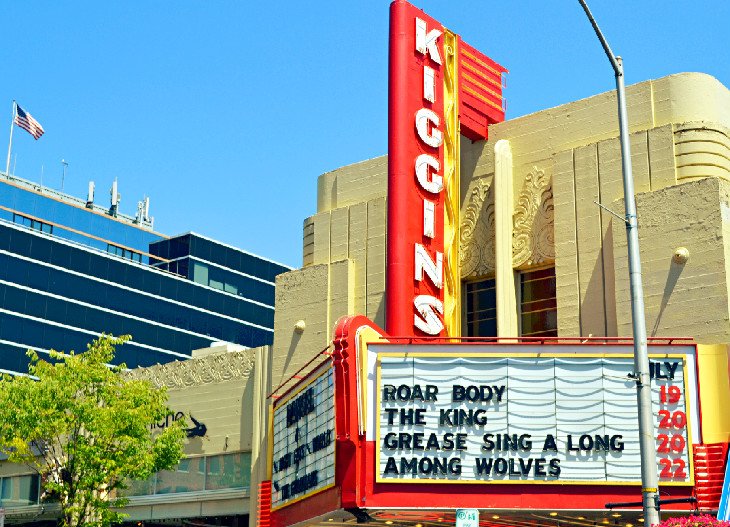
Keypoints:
(503, 211)
(714, 392)
(260, 425)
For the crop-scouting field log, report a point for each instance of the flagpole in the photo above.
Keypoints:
(10, 142)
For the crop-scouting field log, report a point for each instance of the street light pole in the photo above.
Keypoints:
(647, 444)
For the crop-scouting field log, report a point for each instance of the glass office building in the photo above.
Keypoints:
(70, 270)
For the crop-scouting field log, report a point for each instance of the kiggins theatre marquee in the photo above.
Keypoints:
(392, 424)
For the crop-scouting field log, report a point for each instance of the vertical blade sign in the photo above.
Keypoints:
(415, 272)
(438, 88)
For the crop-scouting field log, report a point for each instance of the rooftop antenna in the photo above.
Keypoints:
(63, 176)
(140, 212)
(116, 198)
(90, 196)
(143, 210)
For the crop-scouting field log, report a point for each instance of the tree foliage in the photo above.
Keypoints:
(85, 427)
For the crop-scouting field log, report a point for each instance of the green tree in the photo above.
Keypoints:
(85, 427)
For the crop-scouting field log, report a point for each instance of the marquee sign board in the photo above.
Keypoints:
(304, 441)
(538, 418)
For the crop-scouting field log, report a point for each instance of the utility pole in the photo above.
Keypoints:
(649, 479)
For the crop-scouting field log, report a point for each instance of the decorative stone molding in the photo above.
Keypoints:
(308, 242)
(702, 149)
(533, 240)
(210, 369)
(476, 255)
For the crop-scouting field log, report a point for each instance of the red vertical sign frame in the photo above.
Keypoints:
(406, 196)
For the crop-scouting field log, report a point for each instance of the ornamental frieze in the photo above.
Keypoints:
(210, 369)
(533, 240)
(476, 254)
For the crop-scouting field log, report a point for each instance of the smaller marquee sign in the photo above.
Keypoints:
(304, 441)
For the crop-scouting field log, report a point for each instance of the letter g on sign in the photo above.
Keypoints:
(432, 137)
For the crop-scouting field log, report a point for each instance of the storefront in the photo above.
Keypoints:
(215, 393)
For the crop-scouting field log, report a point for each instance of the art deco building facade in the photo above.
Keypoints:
(538, 258)
(567, 272)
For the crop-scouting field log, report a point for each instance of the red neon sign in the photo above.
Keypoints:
(421, 63)
(415, 182)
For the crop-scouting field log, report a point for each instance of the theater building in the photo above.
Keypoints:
(478, 355)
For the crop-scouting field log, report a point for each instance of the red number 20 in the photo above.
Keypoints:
(669, 419)
(676, 444)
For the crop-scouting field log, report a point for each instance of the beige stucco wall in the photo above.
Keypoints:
(218, 391)
(344, 265)
(678, 127)
(563, 159)
(688, 298)
(223, 391)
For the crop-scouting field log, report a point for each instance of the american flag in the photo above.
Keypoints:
(27, 123)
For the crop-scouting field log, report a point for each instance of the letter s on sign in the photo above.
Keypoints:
(428, 306)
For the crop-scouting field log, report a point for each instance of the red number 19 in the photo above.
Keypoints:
(670, 394)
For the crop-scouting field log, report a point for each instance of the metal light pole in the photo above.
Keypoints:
(649, 480)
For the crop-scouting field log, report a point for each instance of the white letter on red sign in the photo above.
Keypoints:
(434, 270)
(429, 218)
(429, 84)
(427, 306)
(434, 137)
(426, 42)
(429, 181)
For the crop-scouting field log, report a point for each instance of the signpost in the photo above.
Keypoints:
(648, 458)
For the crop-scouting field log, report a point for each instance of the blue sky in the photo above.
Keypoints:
(225, 112)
